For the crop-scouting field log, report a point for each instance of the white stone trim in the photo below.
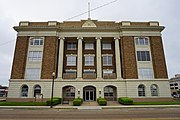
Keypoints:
(98, 54)
(61, 58)
(79, 62)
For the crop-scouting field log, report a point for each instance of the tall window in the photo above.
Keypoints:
(107, 60)
(71, 46)
(71, 60)
(69, 92)
(89, 60)
(142, 41)
(106, 46)
(37, 90)
(145, 73)
(35, 56)
(141, 90)
(24, 91)
(36, 41)
(89, 46)
(143, 56)
(154, 90)
(32, 73)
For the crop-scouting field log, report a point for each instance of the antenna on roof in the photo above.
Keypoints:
(89, 10)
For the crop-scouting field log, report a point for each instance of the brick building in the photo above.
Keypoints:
(91, 59)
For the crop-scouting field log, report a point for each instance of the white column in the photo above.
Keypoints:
(79, 62)
(117, 54)
(98, 57)
(61, 55)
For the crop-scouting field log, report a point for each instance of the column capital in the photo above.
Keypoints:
(61, 38)
(79, 38)
(98, 38)
(116, 38)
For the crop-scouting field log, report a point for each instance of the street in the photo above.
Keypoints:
(104, 114)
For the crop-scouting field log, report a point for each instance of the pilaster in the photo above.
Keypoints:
(98, 54)
(79, 64)
(60, 63)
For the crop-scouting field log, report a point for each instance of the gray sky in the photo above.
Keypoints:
(164, 11)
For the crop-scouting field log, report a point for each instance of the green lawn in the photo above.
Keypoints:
(156, 103)
(23, 104)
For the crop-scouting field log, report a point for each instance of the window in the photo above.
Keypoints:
(107, 71)
(89, 46)
(71, 60)
(89, 60)
(36, 41)
(107, 60)
(37, 90)
(71, 46)
(143, 56)
(142, 41)
(154, 90)
(35, 56)
(108, 92)
(70, 71)
(70, 92)
(32, 73)
(89, 71)
(106, 46)
(24, 91)
(145, 73)
(141, 90)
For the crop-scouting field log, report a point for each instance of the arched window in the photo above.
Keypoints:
(154, 90)
(37, 90)
(141, 90)
(24, 91)
(110, 93)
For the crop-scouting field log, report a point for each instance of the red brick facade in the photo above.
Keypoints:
(20, 56)
(158, 57)
(50, 55)
(128, 57)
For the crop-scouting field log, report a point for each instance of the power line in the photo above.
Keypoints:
(6, 42)
(92, 10)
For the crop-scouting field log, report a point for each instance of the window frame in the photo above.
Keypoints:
(86, 47)
(35, 56)
(142, 41)
(89, 60)
(24, 91)
(141, 91)
(71, 60)
(36, 41)
(154, 91)
(106, 46)
(107, 62)
(143, 56)
(71, 46)
(33, 73)
(145, 73)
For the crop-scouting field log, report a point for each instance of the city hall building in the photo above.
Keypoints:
(91, 59)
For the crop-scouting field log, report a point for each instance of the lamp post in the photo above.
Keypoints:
(53, 75)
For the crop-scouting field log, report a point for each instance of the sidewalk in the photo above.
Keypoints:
(90, 107)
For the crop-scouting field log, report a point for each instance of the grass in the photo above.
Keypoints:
(23, 104)
(156, 103)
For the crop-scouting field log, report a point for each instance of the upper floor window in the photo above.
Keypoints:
(35, 56)
(36, 41)
(71, 46)
(106, 46)
(89, 46)
(145, 73)
(89, 60)
(107, 60)
(143, 56)
(32, 73)
(142, 41)
(71, 60)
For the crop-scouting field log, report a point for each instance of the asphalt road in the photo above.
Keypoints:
(105, 114)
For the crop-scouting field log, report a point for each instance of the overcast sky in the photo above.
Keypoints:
(164, 11)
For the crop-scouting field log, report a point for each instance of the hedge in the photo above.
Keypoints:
(77, 101)
(102, 101)
(55, 101)
(125, 101)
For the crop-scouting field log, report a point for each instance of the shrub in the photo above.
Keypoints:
(125, 101)
(55, 101)
(102, 101)
(77, 101)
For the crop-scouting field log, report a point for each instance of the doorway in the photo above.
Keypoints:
(89, 93)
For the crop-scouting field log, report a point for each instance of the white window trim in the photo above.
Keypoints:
(107, 55)
(109, 48)
(71, 61)
(34, 38)
(108, 70)
(89, 48)
(135, 38)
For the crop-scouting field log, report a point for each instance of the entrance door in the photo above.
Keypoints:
(89, 95)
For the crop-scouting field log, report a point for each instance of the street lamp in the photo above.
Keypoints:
(53, 75)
